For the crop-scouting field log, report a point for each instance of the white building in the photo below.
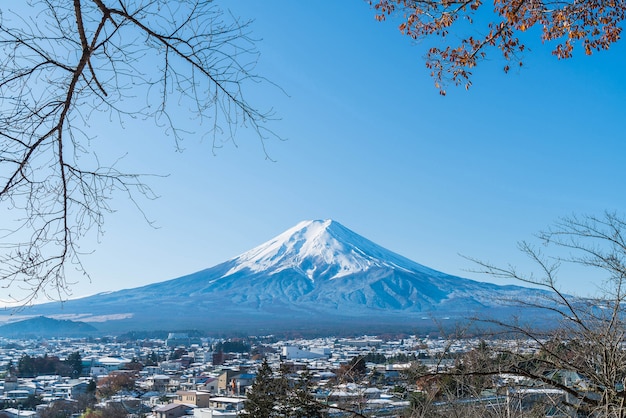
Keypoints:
(221, 406)
(293, 353)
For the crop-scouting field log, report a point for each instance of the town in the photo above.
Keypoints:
(184, 375)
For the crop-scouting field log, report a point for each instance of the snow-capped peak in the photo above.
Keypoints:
(320, 248)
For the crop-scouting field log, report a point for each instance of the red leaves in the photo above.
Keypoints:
(593, 24)
(383, 7)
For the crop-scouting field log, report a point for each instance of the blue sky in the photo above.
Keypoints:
(371, 144)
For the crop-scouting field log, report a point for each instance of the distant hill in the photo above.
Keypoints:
(46, 327)
(318, 276)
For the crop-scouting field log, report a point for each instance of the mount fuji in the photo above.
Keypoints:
(318, 275)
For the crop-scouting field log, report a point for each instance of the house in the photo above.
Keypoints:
(17, 395)
(208, 385)
(158, 382)
(10, 383)
(221, 407)
(17, 413)
(224, 380)
(227, 403)
(171, 410)
(240, 382)
(213, 413)
(149, 370)
(71, 389)
(193, 397)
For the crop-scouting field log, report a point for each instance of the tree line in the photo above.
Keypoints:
(28, 366)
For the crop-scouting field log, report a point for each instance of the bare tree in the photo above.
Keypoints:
(489, 380)
(62, 63)
(577, 365)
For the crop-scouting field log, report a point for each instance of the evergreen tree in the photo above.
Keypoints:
(75, 363)
(301, 401)
(152, 359)
(25, 366)
(261, 398)
(282, 396)
(283, 392)
(91, 387)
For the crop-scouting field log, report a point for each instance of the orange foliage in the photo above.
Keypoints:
(592, 24)
(113, 383)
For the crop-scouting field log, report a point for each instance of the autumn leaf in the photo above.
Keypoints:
(590, 25)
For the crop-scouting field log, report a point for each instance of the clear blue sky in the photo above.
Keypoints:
(371, 144)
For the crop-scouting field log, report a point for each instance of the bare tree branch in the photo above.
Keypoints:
(588, 334)
(67, 62)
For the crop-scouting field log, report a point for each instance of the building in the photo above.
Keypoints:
(224, 381)
(104, 365)
(181, 339)
(171, 410)
(71, 389)
(208, 385)
(292, 353)
(158, 383)
(193, 397)
(222, 406)
(17, 413)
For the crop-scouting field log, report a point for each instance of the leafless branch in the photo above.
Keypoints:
(68, 61)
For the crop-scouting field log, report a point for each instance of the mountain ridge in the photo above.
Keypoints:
(41, 326)
(315, 273)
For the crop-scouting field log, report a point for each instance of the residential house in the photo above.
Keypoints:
(171, 410)
(240, 382)
(17, 413)
(221, 407)
(71, 389)
(208, 385)
(224, 381)
(193, 397)
(158, 383)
